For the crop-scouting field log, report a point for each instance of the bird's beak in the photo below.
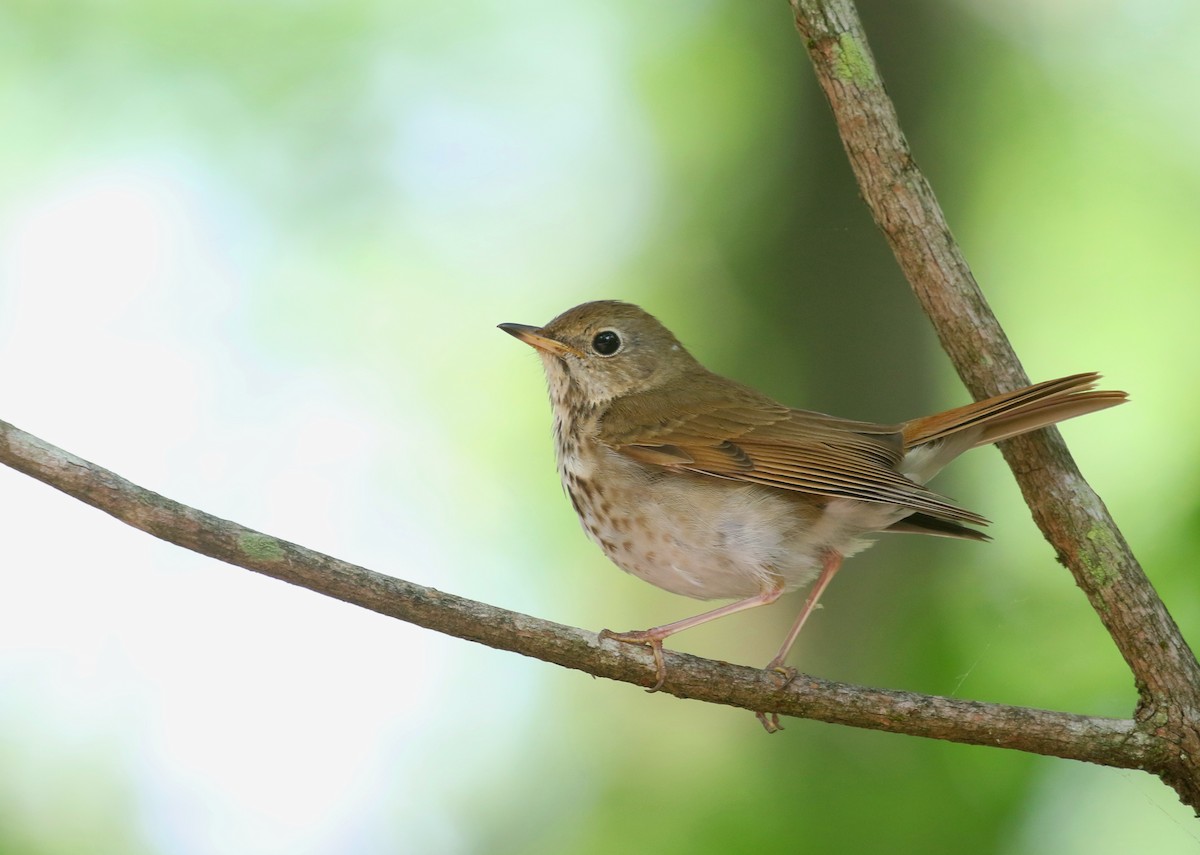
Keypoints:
(533, 337)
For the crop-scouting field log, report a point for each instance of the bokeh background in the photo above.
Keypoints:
(252, 256)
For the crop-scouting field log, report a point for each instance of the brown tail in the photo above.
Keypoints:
(1014, 413)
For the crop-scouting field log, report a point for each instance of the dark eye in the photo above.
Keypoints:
(606, 343)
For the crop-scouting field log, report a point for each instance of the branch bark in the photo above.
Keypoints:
(1110, 742)
(1070, 514)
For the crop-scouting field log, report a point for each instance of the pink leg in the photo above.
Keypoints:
(654, 636)
(833, 561)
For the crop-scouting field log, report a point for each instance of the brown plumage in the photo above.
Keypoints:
(711, 489)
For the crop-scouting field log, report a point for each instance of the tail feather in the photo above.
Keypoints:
(1014, 413)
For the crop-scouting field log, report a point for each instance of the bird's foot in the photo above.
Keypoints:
(769, 721)
(648, 638)
(785, 674)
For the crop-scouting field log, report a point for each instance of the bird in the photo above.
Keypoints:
(710, 489)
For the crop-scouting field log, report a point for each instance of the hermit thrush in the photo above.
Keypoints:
(710, 489)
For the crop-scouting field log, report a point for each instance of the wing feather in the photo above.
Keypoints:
(736, 433)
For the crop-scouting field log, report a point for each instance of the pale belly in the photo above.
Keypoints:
(710, 538)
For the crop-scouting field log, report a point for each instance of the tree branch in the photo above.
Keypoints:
(1071, 516)
(1110, 742)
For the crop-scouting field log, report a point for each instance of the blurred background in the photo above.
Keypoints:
(252, 257)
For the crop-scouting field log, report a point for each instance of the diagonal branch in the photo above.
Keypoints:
(1111, 742)
(1071, 516)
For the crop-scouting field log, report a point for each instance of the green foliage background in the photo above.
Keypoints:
(253, 254)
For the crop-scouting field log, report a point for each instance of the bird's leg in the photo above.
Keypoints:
(654, 637)
(833, 561)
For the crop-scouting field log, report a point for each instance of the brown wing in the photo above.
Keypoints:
(731, 431)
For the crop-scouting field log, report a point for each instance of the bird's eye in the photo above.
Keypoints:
(606, 343)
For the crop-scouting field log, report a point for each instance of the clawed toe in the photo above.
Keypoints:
(769, 721)
(649, 639)
(784, 675)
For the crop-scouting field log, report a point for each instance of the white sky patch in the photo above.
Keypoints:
(253, 716)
